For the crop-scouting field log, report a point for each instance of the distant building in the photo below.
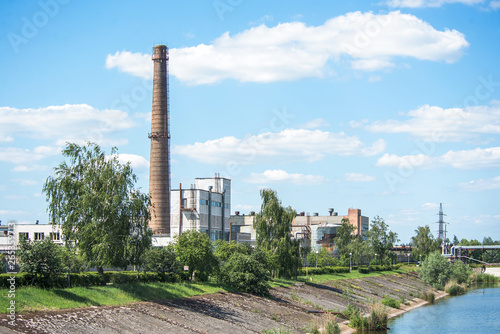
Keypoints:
(314, 231)
(33, 232)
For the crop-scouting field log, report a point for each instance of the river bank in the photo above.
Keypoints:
(295, 308)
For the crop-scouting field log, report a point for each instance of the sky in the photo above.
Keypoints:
(390, 106)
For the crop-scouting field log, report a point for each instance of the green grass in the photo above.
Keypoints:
(35, 299)
(29, 299)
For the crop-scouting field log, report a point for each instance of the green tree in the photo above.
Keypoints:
(460, 271)
(93, 199)
(194, 249)
(323, 257)
(224, 249)
(423, 243)
(273, 226)
(41, 258)
(344, 237)
(381, 240)
(161, 260)
(361, 252)
(436, 270)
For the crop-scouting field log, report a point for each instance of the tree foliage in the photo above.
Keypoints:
(423, 243)
(381, 240)
(194, 249)
(344, 237)
(161, 260)
(93, 199)
(41, 258)
(273, 226)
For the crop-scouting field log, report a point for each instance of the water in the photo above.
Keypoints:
(478, 311)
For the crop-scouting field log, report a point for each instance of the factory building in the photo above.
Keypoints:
(205, 206)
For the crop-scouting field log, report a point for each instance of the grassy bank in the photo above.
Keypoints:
(29, 299)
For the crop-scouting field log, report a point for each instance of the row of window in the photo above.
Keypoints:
(214, 203)
(54, 236)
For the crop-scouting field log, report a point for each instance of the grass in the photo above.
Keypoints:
(30, 299)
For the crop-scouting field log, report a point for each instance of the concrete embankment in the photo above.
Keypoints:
(294, 308)
(495, 271)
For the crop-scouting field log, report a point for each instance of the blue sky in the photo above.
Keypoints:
(388, 106)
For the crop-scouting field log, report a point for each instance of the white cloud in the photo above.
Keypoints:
(26, 182)
(62, 123)
(316, 123)
(472, 159)
(136, 161)
(405, 161)
(23, 156)
(482, 184)
(281, 176)
(30, 168)
(495, 5)
(12, 213)
(430, 206)
(465, 159)
(428, 3)
(436, 124)
(287, 145)
(357, 177)
(291, 51)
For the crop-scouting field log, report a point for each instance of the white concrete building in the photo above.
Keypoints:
(205, 206)
(33, 232)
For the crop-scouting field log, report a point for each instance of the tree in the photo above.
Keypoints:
(323, 257)
(436, 270)
(273, 226)
(423, 243)
(93, 199)
(161, 260)
(194, 249)
(224, 249)
(381, 240)
(344, 237)
(361, 252)
(41, 258)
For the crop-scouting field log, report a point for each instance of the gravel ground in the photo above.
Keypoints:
(293, 308)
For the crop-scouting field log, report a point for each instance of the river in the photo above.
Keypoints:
(477, 311)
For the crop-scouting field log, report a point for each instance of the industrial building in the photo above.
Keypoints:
(315, 231)
(205, 206)
(33, 232)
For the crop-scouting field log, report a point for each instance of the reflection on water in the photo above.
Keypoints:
(478, 311)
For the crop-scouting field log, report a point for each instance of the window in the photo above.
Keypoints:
(184, 203)
(38, 235)
(23, 235)
(203, 202)
(55, 236)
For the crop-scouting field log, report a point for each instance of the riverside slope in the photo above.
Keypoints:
(293, 308)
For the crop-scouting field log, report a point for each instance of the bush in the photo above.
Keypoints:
(460, 272)
(454, 288)
(245, 273)
(428, 296)
(391, 302)
(436, 270)
(332, 327)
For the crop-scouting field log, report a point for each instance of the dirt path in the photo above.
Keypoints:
(292, 308)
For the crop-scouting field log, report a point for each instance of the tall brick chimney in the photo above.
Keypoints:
(159, 165)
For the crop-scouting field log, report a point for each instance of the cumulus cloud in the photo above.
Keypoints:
(281, 176)
(22, 156)
(70, 122)
(294, 50)
(431, 123)
(357, 177)
(428, 3)
(482, 184)
(430, 206)
(316, 123)
(287, 145)
(465, 159)
(136, 161)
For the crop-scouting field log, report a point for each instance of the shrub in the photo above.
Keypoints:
(245, 273)
(332, 327)
(454, 288)
(460, 271)
(428, 296)
(436, 270)
(391, 302)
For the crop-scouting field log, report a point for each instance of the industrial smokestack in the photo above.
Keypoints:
(159, 165)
